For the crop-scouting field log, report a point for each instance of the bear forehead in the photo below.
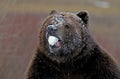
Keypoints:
(67, 15)
(60, 18)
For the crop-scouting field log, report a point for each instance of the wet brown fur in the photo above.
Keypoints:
(92, 62)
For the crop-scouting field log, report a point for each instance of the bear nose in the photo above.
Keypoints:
(52, 28)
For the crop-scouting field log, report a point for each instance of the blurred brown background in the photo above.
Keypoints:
(20, 21)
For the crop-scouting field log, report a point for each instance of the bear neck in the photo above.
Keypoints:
(70, 65)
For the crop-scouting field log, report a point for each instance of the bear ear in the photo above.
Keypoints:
(84, 16)
(53, 12)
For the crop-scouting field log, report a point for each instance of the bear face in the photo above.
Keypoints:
(63, 34)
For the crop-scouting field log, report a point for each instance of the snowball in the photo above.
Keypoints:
(52, 40)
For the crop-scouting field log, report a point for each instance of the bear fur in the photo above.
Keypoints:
(75, 56)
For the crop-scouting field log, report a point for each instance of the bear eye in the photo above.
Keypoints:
(67, 26)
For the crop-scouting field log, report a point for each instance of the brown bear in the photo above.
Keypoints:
(68, 51)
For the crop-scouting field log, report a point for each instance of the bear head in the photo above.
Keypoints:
(63, 35)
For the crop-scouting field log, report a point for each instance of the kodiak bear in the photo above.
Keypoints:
(68, 51)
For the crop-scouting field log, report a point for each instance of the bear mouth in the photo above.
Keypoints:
(54, 41)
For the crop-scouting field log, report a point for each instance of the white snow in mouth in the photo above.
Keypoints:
(52, 40)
